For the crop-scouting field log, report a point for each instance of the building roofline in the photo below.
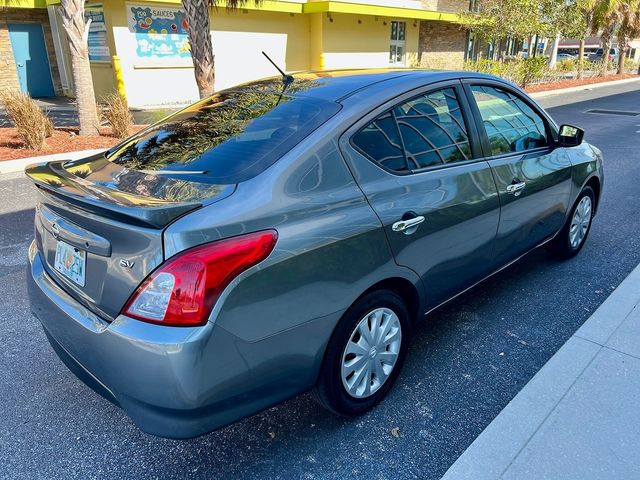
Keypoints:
(328, 7)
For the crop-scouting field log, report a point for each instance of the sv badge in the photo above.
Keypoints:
(126, 263)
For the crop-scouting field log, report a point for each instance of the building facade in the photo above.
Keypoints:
(28, 58)
(141, 46)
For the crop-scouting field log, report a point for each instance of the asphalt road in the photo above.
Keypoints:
(463, 367)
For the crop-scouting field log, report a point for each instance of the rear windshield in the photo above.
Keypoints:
(228, 137)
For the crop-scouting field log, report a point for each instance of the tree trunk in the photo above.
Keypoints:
(77, 30)
(622, 49)
(606, 48)
(554, 52)
(581, 59)
(621, 57)
(197, 13)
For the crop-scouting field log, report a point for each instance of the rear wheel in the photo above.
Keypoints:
(365, 354)
(571, 238)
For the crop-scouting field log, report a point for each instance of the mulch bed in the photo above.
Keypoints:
(543, 87)
(63, 140)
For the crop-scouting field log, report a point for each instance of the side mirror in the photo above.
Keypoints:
(570, 136)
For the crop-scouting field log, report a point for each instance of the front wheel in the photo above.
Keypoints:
(571, 238)
(365, 354)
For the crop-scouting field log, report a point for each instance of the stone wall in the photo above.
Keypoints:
(455, 6)
(441, 45)
(8, 73)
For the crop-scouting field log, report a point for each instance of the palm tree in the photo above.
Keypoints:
(77, 30)
(604, 21)
(197, 14)
(629, 17)
(584, 9)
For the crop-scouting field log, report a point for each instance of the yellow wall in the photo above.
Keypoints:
(362, 41)
(238, 40)
(295, 42)
(103, 80)
(240, 37)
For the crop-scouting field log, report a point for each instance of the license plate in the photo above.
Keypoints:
(71, 262)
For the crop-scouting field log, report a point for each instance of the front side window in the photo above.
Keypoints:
(511, 125)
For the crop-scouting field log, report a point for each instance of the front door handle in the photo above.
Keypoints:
(516, 188)
(408, 226)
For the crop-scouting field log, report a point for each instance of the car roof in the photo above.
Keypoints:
(337, 85)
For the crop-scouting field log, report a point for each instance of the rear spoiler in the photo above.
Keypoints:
(98, 193)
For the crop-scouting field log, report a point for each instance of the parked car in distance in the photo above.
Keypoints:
(565, 56)
(599, 54)
(287, 234)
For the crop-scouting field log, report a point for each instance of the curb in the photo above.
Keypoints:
(11, 166)
(589, 86)
(504, 441)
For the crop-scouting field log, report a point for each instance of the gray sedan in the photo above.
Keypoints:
(286, 235)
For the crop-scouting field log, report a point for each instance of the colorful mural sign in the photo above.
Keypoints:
(161, 32)
(98, 46)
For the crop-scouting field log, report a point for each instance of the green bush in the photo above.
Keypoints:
(522, 71)
(568, 65)
(532, 70)
(630, 66)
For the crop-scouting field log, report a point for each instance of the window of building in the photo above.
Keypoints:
(511, 125)
(397, 49)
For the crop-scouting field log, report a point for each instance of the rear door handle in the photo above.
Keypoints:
(408, 226)
(516, 188)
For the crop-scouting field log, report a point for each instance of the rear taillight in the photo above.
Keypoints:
(183, 290)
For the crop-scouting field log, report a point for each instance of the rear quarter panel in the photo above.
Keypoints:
(331, 248)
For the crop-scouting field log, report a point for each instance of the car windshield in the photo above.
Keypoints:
(229, 137)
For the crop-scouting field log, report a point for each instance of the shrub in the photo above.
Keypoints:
(532, 70)
(116, 112)
(32, 124)
(567, 66)
(522, 71)
(630, 66)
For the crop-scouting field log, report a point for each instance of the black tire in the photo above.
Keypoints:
(329, 390)
(560, 247)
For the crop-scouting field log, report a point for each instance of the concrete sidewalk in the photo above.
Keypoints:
(579, 416)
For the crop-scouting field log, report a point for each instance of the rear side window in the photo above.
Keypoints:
(425, 131)
(380, 141)
(227, 138)
(511, 125)
(433, 130)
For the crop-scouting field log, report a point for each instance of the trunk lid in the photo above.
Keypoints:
(112, 218)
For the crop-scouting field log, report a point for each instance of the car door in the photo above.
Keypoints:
(533, 177)
(418, 161)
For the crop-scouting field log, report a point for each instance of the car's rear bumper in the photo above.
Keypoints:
(172, 381)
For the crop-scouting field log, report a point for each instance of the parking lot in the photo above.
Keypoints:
(464, 365)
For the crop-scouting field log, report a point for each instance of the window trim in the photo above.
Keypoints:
(551, 128)
(388, 106)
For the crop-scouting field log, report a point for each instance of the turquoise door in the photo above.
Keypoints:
(32, 63)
